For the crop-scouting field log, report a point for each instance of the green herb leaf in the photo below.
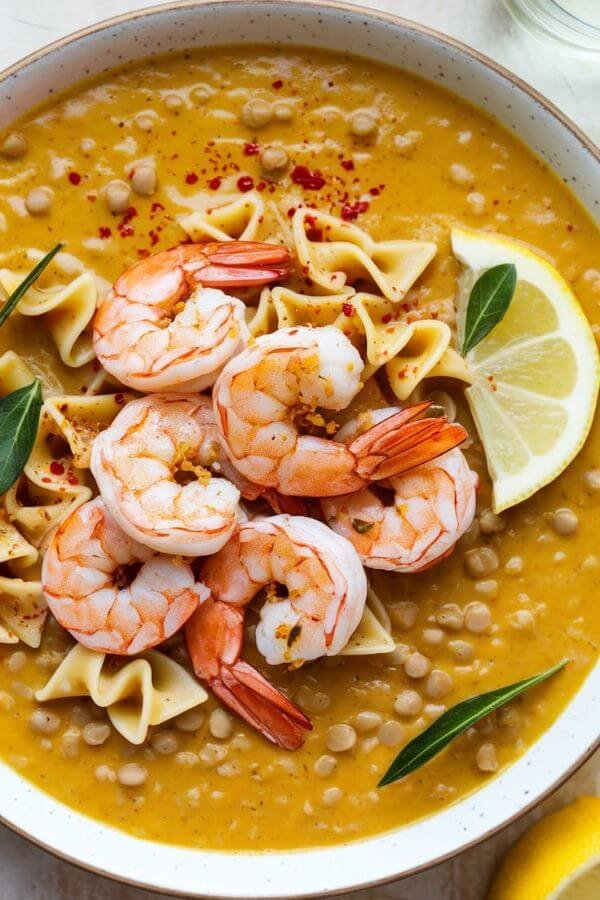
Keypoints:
(454, 722)
(361, 526)
(26, 283)
(19, 418)
(488, 303)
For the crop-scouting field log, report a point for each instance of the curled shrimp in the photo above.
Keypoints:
(111, 593)
(419, 523)
(153, 468)
(316, 591)
(263, 395)
(165, 327)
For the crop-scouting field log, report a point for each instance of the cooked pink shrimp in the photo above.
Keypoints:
(316, 591)
(430, 507)
(262, 393)
(111, 593)
(164, 327)
(153, 468)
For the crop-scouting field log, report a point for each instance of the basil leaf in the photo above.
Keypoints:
(26, 283)
(19, 419)
(488, 303)
(454, 722)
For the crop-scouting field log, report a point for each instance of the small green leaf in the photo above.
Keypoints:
(488, 303)
(361, 526)
(454, 722)
(26, 283)
(19, 419)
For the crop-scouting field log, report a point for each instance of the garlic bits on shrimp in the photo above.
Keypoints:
(153, 468)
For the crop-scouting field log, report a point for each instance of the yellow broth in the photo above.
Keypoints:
(239, 791)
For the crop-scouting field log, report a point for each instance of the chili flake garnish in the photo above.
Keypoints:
(74, 177)
(245, 183)
(310, 180)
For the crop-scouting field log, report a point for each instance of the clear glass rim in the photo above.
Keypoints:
(552, 19)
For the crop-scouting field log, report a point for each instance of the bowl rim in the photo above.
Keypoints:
(439, 37)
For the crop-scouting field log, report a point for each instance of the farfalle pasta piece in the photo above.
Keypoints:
(427, 342)
(374, 632)
(80, 418)
(147, 691)
(334, 254)
(369, 320)
(23, 611)
(66, 309)
(14, 548)
(226, 217)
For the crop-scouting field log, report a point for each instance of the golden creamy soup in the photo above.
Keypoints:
(332, 159)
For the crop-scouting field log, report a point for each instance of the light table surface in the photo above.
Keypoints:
(573, 83)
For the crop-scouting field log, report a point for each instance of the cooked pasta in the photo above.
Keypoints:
(148, 691)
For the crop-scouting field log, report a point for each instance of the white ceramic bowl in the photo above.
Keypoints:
(570, 740)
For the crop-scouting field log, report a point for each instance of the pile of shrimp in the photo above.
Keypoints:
(169, 544)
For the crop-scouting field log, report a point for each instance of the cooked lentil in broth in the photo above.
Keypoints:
(517, 594)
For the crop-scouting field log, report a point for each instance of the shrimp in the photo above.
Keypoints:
(264, 394)
(431, 507)
(153, 469)
(316, 591)
(111, 593)
(165, 327)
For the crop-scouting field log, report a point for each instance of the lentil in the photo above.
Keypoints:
(96, 733)
(450, 616)
(38, 201)
(340, 738)
(332, 796)
(118, 196)
(16, 661)
(565, 522)
(44, 721)
(220, 724)
(490, 523)
(481, 562)
(408, 703)
(191, 720)
(477, 617)
(390, 733)
(256, 113)
(274, 158)
(592, 479)
(417, 665)
(14, 145)
(143, 180)
(363, 124)
(173, 103)
(164, 742)
(132, 775)
(367, 721)
(486, 758)
(325, 765)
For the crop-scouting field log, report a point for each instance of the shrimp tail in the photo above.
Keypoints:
(402, 442)
(244, 690)
(280, 503)
(214, 637)
(243, 263)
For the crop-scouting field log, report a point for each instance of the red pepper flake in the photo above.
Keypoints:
(569, 227)
(291, 212)
(46, 480)
(57, 468)
(347, 164)
(191, 178)
(311, 181)
(126, 230)
(74, 177)
(153, 238)
(245, 183)
(277, 85)
(387, 318)
(251, 148)
(214, 183)
(374, 191)
(92, 197)
(347, 309)
(351, 211)
(314, 234)
(156, 206)
(119, 398)
(72, 479)
(104, 232)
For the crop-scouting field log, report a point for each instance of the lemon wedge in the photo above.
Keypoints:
(557, 859)
(535, 375)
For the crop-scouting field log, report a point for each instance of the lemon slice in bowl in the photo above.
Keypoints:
(535, 375)
(557, 859)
